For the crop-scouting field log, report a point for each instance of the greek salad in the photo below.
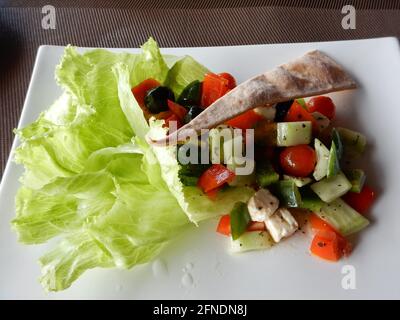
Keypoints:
(301, 155)
(101, 195)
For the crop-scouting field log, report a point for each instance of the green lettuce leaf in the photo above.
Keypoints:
(110, 215)
(129, 226)
(183, 72)
(90, 178)
(86, 118)
(92, 181)
(150, 64)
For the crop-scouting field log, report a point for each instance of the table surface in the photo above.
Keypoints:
(173, 23)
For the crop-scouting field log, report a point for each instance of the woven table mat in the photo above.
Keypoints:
(172, 23)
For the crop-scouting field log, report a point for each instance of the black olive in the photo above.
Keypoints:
(282, 109)
(191, 95)
(193, 112)
(156, 99)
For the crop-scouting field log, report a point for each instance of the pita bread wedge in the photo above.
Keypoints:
(312, 74)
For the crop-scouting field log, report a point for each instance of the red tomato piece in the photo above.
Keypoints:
(319, 225)
(256, 226)
(142, 88)
(245, 121)
(298, 113)
(214, 177)
(322, 105)
(177, 109)
(230, 78)
(345, 246)
(326, 246)
(213, 88)
(224, 225)
(298, 161)
(362, 201)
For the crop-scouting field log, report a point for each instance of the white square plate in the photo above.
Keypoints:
(287, 270)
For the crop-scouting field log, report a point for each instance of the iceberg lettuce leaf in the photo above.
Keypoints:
(92, 181)
(183, 72)
(124, 217)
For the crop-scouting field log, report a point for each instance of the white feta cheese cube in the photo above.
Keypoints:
(262, 205)
(281, 224)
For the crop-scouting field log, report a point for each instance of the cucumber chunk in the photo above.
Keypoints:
(265, 174)
(322, 153)
(223, 142)
(332, 188)
(333, 162)
(338, 143)
(287, 193)
(356, 178)
(253, 240)
(240, 219)
(299, 182)
(354, 143)
(342, 217)
(310, 201)
(293, 133)
(233, 148)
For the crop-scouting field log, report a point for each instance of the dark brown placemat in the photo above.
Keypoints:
(173, 23)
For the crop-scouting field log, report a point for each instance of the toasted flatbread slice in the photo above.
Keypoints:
(312, 74)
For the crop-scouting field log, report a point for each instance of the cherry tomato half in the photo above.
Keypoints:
(362, 201)
(298, 161)
(322, 105)
(230, 78)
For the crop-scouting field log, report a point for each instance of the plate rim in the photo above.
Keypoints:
(41, 49)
